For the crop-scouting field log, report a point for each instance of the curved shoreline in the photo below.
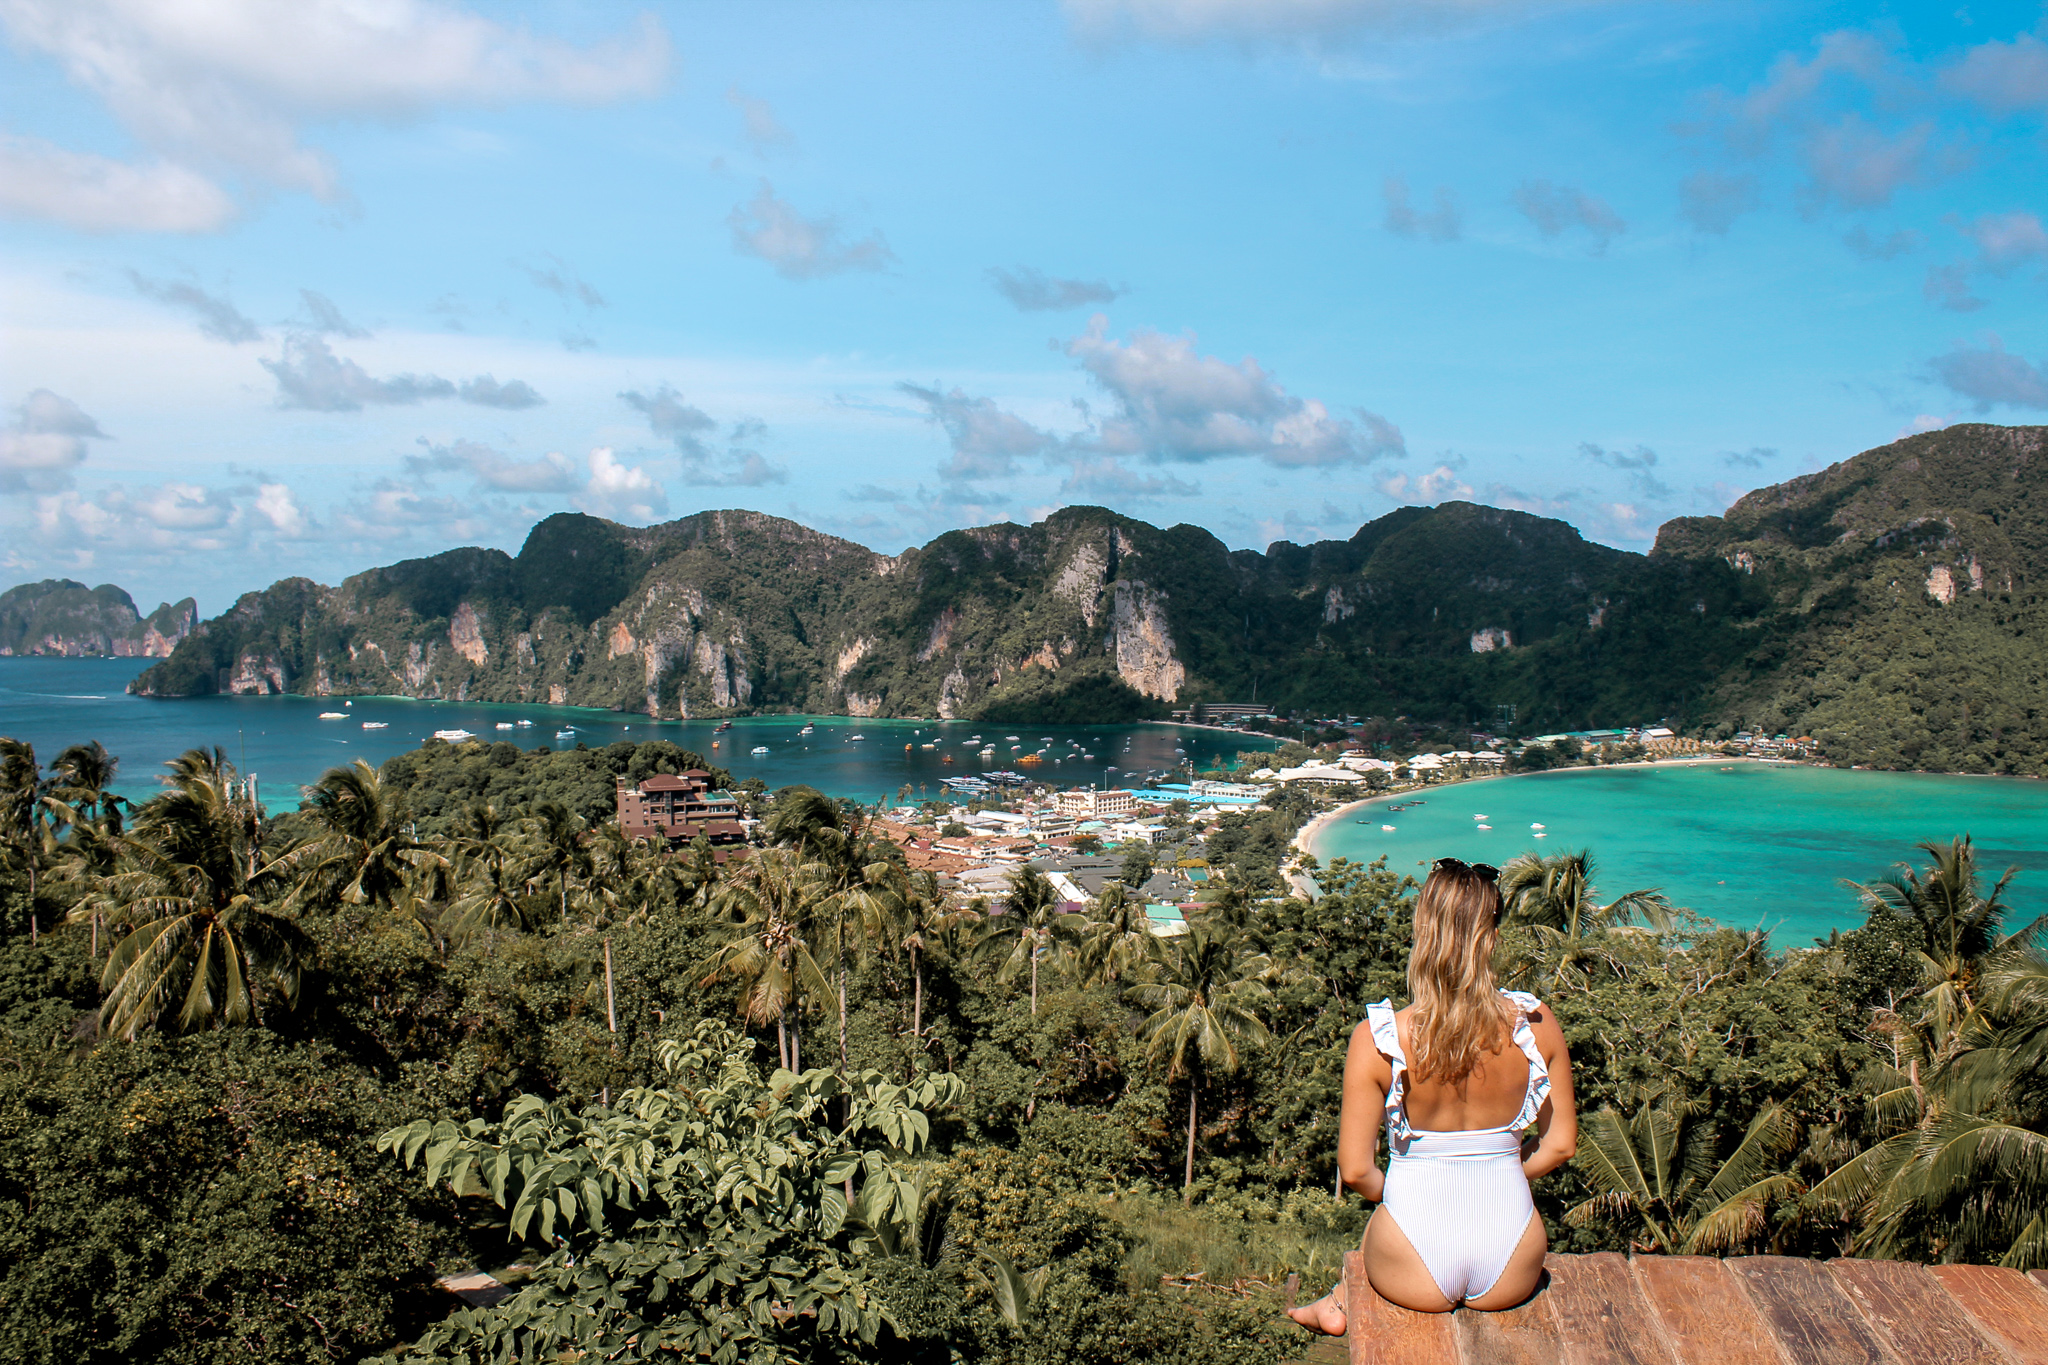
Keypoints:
(1305, 838)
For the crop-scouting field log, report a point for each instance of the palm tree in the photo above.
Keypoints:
(1033, 914)
(1953, 927)
(24, 817)
(1657, 1168)
(1233, 907)
(929, 920)
(85, 773)
(365, 851)
(559, 848)
(1963, 1173)
(1117, 938)
(492, 878)
(193, 874)
(1556, 899)
(771, 905)
(1205, 1005)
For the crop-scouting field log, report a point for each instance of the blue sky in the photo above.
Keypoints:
(303, 288)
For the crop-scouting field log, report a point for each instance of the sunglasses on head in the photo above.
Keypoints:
(1457, 865)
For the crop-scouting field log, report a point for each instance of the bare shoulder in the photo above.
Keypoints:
(1543, 1023)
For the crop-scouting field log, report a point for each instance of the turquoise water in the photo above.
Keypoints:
(1754, 845)
(55, 702)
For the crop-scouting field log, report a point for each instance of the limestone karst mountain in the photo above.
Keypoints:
(1888, 599)
(59, 616)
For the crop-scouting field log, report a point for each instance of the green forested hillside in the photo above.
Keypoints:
(62, 616)
(1885, 604)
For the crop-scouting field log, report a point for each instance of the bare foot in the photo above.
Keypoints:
(1325, 1315)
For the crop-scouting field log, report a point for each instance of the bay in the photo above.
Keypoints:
(1752, 845)
(52, 703)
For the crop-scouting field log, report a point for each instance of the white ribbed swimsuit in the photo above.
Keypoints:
(1460, 1197)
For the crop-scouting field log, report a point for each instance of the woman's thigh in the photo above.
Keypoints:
(1524, 1272)
(1396, 1269)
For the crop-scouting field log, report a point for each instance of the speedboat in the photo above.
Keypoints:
(453, 736)
(526, 725)
(376, 725)
(1484, 827)
(723, 726)
(759, 749)
(504, 725)
(851, 738)
(1537, 824)
(807, 729)
(334, 715)
(565, 734)
(1388, 828)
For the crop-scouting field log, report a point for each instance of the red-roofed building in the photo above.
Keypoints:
(679, 809)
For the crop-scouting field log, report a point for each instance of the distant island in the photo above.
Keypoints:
(61, 617)
(1887, 606)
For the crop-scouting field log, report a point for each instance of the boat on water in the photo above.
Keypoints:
(759, 749)
(526, 725)
(1388, 828)
(807, 729)
(504, 725)
(376, 725)
(1009, 737)
(851, 738)
(722, 727)
(334, 715)
(1485, 826)
(565, 734)
(1536, 824)
(453, 736)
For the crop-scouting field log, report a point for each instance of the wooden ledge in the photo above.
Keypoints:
(1607, 1309)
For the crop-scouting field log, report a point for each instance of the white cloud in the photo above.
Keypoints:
(325, 317)
(1267, 20)
(1110, 478)
(763, 131)
(736, 468)
(44, 443)
(218, 318)
(622, 492)
(987, 441)
(561, 280)
(1711, 201)
(1858, 166)
(1171, 403)
(276, 504)
(311, 376)
(1636, 463)
(2003, 77)
(1556, 208)
(801, 248)
(1033, 291)
(99, 194)
(2007, 240)
(1948, 286)
(670, 418)
(1441, 483)
(229, 83)
(551, 473)
(485, 391)
(1990, 376)
(1440, 224)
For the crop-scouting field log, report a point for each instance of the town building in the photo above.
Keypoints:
(678, 809)
(1085, 803)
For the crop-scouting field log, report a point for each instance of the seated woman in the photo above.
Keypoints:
(1457, 1075)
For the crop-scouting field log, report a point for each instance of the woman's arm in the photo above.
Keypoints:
(1366, 1079)
(1557, 1123)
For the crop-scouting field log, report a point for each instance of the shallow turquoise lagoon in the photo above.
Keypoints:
(55, 702)
(1746, 844)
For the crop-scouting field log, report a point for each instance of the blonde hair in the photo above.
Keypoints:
(1459, 1015)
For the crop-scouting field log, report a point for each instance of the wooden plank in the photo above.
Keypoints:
(1601, 1317)
(1814, 1322)
(2004, 1305)
(1706, 1317)
(1913, 1314)
(1383, 1333)
(1526, 1335)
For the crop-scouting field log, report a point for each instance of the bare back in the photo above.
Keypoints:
(1488, 1098)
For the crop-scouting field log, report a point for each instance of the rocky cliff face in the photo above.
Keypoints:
(62, 617)
(1458, 611)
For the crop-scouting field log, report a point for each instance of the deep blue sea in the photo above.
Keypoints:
(56, 702)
